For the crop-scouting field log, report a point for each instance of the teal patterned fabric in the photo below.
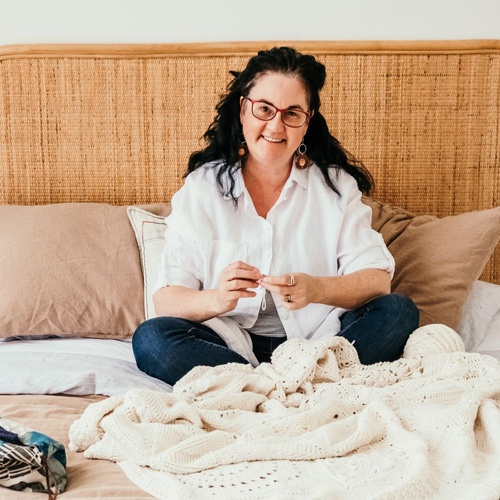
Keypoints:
(31, 460)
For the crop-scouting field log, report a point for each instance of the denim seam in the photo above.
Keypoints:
(367, 310)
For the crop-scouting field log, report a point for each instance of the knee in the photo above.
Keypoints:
(409, 310)
(403, 309)
(145, 332)
(152, 336)
(157, 327)
(143, 340)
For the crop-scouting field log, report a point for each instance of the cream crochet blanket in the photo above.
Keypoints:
(314, 424)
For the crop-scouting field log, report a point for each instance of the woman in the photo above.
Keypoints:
(269, 239)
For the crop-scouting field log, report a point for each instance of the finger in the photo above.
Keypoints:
(242, 284)
(253, 275)
(282, 280)
(238, 278)
(240, 294)
(242, 266)
(294, 304)
(279, 289)
(244, 272)
(291, 306)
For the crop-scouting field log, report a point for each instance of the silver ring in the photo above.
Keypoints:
(288, 298)
(292, 280)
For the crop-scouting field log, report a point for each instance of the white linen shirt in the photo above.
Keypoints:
(310, 229)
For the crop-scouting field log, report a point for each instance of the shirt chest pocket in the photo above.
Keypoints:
(217, 255)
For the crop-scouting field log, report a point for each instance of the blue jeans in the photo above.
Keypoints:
(167, 348)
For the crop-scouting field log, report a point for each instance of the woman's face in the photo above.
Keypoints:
(272, 143)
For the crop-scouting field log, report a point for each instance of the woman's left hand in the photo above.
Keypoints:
(296, 290)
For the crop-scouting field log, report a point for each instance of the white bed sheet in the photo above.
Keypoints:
(76, 366)
(109, 348)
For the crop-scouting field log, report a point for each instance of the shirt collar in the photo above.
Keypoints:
(301, 177)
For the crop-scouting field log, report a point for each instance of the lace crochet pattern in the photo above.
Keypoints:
(314, 423)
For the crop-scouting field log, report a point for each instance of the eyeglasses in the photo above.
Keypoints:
(290, 117)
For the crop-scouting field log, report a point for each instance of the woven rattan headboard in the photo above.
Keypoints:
(116, 123)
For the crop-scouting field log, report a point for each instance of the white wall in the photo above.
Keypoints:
(157, 21)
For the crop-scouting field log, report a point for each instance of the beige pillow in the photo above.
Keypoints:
(437, 259)
(149, 229)
(69, 270)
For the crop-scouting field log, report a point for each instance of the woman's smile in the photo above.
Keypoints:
(272, 139)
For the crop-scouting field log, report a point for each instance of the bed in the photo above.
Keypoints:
(94, 141)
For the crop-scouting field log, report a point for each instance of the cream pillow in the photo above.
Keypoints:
(149, 229)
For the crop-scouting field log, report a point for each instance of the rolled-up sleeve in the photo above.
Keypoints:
(179, 262)
(360, 246)
(181, 259)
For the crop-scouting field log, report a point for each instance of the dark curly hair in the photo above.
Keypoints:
(223, 136)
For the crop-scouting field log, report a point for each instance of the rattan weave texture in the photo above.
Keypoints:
(119, 128)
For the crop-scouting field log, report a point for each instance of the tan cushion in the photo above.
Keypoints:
(437, 259)
(69, 270)
(74, 269)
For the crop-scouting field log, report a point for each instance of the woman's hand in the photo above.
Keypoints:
(349, 291)
(201, 305)
(296, 290)
(234, 283)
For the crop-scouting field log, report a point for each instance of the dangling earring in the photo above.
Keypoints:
(301, 159)
(242, 147)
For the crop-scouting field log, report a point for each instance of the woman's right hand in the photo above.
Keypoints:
(234, 283)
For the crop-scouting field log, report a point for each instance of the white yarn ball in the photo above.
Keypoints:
(432, 339)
